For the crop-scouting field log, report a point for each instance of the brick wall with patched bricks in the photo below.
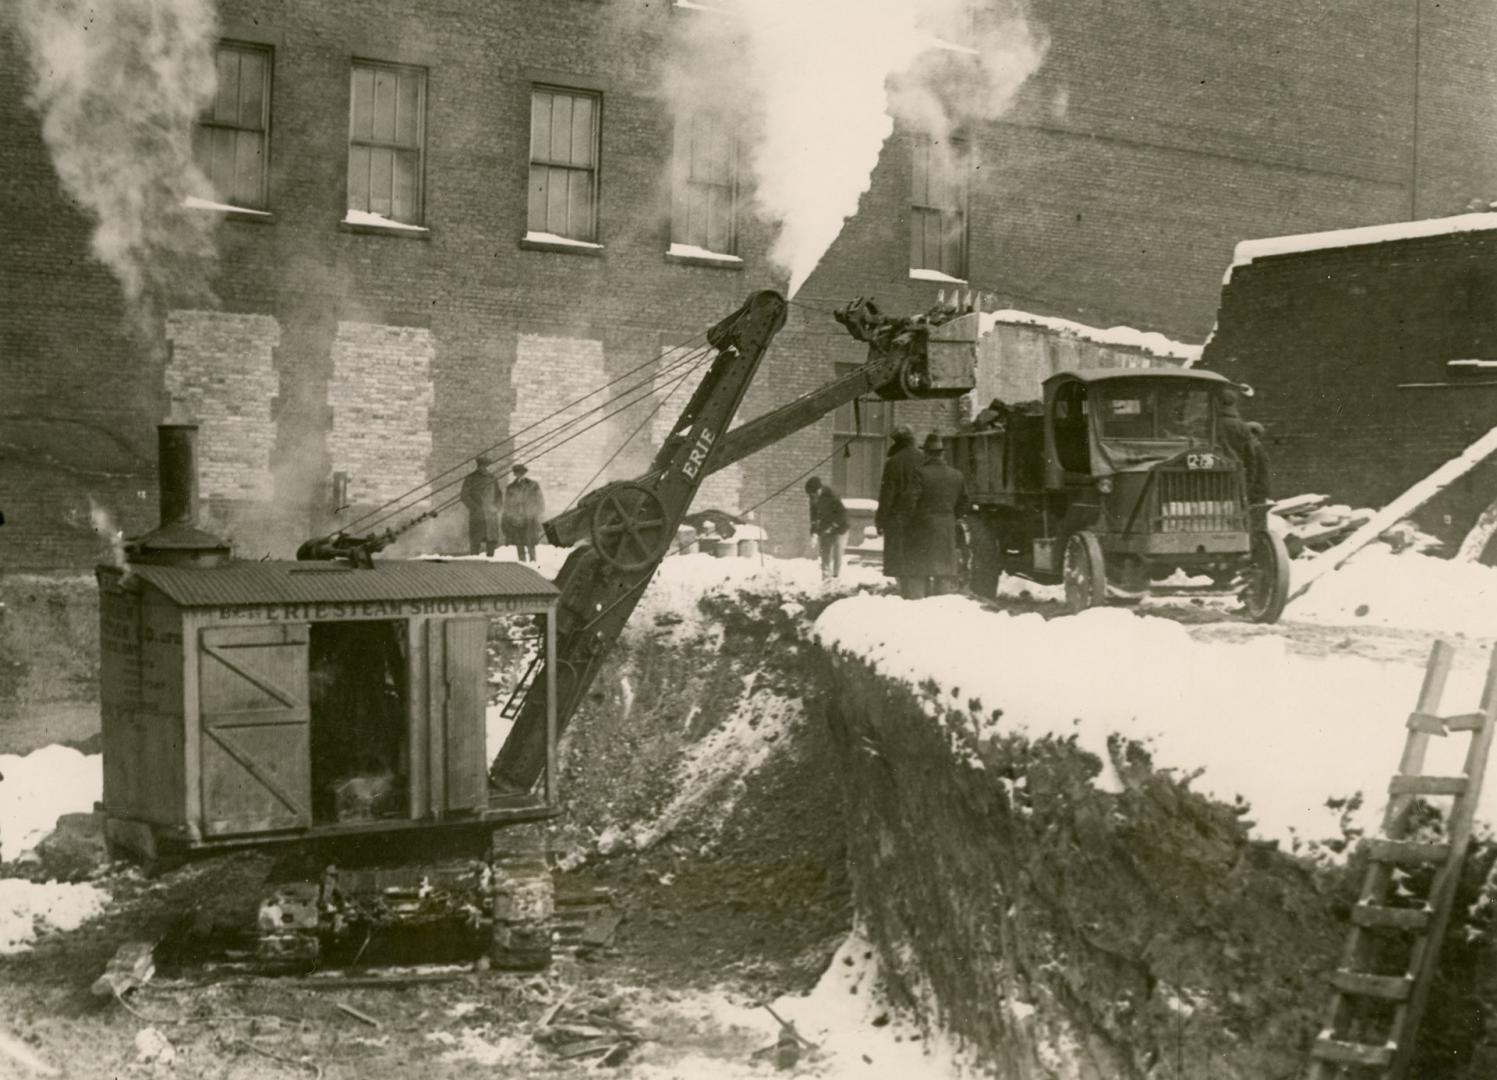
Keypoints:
(380, 400)
(555, 375)
(220, 374)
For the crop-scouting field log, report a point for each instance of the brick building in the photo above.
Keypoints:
(1373, 357)
(450, 223)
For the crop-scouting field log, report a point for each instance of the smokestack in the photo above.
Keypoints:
(178, 541)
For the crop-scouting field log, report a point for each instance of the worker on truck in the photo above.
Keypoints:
(895, 515)
(1243, 439)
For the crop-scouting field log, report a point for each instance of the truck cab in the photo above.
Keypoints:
(1124, 478)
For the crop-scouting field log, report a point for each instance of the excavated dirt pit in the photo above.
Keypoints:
(745, 800)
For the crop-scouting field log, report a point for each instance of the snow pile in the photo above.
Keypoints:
(1125, 337)
(1284, 732)
(1410, 590)
(38, 789)
(27, 908)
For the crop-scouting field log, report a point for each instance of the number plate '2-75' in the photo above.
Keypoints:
(1200, 461)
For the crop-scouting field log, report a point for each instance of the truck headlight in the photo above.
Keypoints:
(1104, 485)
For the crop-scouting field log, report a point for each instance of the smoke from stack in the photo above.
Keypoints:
(118, 86)
(820, 84)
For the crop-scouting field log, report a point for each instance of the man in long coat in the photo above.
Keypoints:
(896, 503)
(482, 497)
(941, 497)
(524, 508)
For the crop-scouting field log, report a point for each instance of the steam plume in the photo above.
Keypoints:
(824, 81)
(118, 85)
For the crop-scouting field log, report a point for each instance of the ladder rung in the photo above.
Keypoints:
(1471, 721)
(1406, 851)
(1388, 987)
(1350, 1053)
(1428, 723)
(1429, 785)
(1375, 915)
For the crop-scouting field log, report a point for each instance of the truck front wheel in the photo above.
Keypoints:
(1085, 572)
(1267, 588)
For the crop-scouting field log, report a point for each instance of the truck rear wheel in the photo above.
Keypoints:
(1085, 572)
(1267, 588)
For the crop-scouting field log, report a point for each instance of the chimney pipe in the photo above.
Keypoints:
(178, 541)
(176, 455)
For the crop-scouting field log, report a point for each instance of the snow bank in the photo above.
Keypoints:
(38, 789)
(1282, 731)
(1122, 336)
(1406, 589)
(27, 908)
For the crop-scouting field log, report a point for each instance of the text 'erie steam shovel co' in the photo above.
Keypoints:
(339, 701)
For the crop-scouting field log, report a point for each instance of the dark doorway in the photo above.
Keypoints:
(359, 695)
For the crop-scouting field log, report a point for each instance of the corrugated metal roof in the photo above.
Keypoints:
(322, 582)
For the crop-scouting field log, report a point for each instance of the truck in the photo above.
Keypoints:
(1118, 483)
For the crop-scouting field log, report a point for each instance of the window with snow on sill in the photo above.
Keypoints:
(921, 274)
(192, 202)
(565, 241)
(379, 221)
(691, 251)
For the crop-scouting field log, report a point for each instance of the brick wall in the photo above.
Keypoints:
(1346, 350)
(220, 373)
(549, 374)
(1113, 192)
(380, 399)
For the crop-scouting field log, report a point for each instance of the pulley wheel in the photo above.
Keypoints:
(629, 527)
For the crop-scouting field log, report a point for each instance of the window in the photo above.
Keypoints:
(938, 208)
(704, 203)
(856, 471)
(386, 140)
(564, 163)
(231, 142)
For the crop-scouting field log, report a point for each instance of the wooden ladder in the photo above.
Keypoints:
(1420, 928)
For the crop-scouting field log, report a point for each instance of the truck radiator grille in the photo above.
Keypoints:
(1199, 501)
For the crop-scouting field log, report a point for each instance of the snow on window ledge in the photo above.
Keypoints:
(922, 274)
(720, 7)
(192, 202)
(545, 241)
(692, 255)
(364, 221)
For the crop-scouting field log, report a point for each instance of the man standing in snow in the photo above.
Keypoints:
(482, 498)
(524, 507)
(896, 505)
(941, 497)
(828, 525)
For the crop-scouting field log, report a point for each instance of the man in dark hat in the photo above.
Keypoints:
(524, 508)
(941, 497)
(828, 525)
(896, 503)
(481, 497)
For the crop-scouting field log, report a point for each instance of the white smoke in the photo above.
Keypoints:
(103, 524)
(821, 83)
(118, 85)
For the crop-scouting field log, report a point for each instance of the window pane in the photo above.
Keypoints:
(226, 104)
(556, 201)
(358, 178)
(536, 219)
(540, 126)
(202, 149)
(405, 199)
(580, 205)
(408, 109)
(954, 244)
(920, 173)
(384, 105)
(582, 131)
(361, 123)
(696, 215)
(251, 89)
(223, 162)
(561, 128)
(246, 169)
(381, 180)
(720, 221)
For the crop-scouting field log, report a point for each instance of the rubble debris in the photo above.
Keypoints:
(358, 1014)
(74, 851)
(583, 1030)
(153, 1048)
(131, 966)
(19, 1052)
